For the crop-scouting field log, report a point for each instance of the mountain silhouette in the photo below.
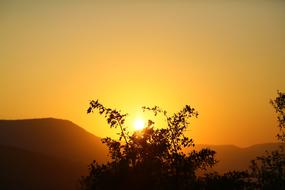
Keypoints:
(53, 137)
(46, 154)
(231, 157)
(25, 170)
(53, 153)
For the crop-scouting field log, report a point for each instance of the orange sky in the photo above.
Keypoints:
(225, 58)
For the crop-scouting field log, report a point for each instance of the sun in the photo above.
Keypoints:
(139, 124)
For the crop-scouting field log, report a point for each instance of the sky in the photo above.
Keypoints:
(224, 58)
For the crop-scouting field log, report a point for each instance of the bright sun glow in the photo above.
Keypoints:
(138, 124)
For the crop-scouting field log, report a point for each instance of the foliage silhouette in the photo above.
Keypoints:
(233, 180)
(265, 172)
(151, 158)
(268, 171)
(279, 106)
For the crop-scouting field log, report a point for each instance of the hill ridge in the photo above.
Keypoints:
(56, 137)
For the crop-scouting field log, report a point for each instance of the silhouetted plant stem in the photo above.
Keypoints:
(172, 137)
(123, 134)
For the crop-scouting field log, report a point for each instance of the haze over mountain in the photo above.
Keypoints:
(53, 154)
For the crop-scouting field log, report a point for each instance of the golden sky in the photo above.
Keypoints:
(225, 58)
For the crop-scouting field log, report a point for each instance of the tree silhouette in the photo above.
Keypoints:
(279, 106)
(268, 171)
(234, 180)
(265, 172)
(151, 158)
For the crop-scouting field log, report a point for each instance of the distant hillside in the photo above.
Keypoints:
(231, 157)
(52, 154)
(25, 170)
(53, 137)
(66, 140)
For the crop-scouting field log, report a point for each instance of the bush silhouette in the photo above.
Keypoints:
(265, 172)
(151, 158)
(279, 106)
(233, 180)
(268, 171)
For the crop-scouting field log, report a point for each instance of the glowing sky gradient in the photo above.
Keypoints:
(225, 58)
